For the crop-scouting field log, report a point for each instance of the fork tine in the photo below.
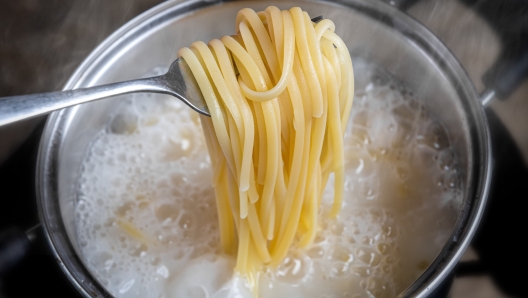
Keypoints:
(317, 19)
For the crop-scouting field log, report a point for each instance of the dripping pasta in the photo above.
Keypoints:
(279, 93)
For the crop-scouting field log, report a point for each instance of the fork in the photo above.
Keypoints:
(178, 82)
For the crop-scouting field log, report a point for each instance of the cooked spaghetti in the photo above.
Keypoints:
(279, 93)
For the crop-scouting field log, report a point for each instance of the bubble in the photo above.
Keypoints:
(387, 269)
(402, 172)
(126, 286)
(292, 270)
(368, 256)
(124, 124)
(338, 270)
(163, 271)
(185, 221)
(166, 212)
(446, 159)
(383, 248)
(433, 136)
(363, 283)
(137, 250)
(315, 252)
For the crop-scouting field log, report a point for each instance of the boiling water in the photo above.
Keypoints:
(146, 218)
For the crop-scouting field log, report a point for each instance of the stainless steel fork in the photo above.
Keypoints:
(178, 82)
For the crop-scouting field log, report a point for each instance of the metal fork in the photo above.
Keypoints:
(178, 82)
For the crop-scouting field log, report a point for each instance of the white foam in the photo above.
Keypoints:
(146, 216)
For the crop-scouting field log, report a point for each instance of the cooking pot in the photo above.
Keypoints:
(372, 30)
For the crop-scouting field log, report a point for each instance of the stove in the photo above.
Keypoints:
(42, 42)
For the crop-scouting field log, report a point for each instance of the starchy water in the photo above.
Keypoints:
(146, 219)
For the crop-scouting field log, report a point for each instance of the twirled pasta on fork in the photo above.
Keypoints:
(280, 93)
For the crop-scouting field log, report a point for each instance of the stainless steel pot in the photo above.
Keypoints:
(371, 29)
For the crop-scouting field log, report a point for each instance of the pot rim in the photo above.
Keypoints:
(443, 264)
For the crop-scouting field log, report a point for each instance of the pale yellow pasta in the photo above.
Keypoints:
(279, 92)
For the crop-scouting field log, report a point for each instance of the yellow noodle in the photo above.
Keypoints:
(349, 81)
(336, 137)
(307, 62)
(227, 235)
(226, 65)
(243, 246)
(271, 56)
(256, 233)
(310, 216)
(276, 128)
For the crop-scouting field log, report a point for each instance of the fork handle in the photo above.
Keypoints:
(16, 108)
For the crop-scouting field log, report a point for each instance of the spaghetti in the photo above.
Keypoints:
(279, 93)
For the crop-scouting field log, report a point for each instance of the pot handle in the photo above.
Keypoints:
(14, 246)
(504, 77)
(508, 72)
